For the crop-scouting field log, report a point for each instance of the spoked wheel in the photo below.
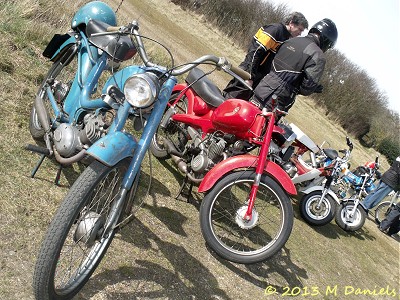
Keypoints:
(238, 240)
(315, 213)
(347, 220)
(81, 232)
(59, 79)
(173, 132)
(382, 210)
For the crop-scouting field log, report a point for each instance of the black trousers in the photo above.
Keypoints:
(392, 221)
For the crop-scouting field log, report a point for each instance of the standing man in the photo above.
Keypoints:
(390, 181)
(297, 68)
(261, 52)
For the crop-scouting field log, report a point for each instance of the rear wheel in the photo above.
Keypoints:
(315, 213)
(346, 219)
(238, 240)
(81, 232)
(59, 79)
(173, 132)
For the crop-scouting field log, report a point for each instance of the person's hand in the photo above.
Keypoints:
(319, 88)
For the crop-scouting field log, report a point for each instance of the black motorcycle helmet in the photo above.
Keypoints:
(327, 31)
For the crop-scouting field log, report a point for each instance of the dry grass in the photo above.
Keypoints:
(161, 255)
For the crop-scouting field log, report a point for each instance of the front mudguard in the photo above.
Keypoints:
(246, 161)
(113, 148)
(321, 189)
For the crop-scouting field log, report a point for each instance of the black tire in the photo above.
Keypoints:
(382, 210)
(78, 229)
(61, 72)
(346, 221)
(226, 233)
(314, 214)
(174, 132)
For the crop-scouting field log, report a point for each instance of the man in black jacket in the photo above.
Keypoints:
(262, 49)
(297, 67)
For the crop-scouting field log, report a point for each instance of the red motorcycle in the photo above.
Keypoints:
(246, 215)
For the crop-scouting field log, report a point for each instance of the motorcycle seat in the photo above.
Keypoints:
(119, 47)
(331, 153)
(204, 87)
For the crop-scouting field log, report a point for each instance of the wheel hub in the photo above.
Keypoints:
(246, 224)
(89, 227)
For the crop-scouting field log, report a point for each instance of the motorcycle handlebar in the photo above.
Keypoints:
(220, 62)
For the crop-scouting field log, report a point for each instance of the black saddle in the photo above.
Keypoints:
(120, 47)
(331, 153)
(204, 87)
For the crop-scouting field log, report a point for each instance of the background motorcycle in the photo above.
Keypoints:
(350, 214)
(65, 119)
(99, 200)
(352, 180)
(318, 205)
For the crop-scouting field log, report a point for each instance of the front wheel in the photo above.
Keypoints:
(382, 210)
(238, 240)
(316, 213)
(80, 233)
(347, 219)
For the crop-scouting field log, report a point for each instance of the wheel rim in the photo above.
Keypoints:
(255, 238)
(315, 212)
(347, 218)
(80, 253)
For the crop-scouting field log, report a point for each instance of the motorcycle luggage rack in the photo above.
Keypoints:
(44, 152)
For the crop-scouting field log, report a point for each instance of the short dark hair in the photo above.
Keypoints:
(297, 18)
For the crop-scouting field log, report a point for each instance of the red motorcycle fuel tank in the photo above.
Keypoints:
(239, 117)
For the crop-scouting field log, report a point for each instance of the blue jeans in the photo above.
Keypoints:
(376, 196)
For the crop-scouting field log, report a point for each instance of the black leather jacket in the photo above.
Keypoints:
(296, 69)
(392, 176)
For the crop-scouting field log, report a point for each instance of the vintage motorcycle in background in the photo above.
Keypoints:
(99, 201)
(319, 202)
(350, 214)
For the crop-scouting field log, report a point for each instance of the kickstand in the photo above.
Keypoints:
(188, 186)
(39, 163)
(57, 179)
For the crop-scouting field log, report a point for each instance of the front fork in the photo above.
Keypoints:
(262, 161)
(325, 191)
(141, 149)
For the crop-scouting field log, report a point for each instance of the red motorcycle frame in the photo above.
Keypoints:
(203, 118)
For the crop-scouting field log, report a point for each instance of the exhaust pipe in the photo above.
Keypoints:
(42, 114)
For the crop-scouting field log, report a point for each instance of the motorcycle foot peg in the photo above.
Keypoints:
(37, 149)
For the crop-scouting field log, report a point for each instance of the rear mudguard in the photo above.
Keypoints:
(321, 189)
(68, 46)
(113, 148)
(246, 161)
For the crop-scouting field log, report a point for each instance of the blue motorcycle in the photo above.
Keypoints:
(99, 201)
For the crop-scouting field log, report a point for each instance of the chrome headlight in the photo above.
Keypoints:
(141, 90)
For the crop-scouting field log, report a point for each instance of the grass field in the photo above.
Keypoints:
(161, 254)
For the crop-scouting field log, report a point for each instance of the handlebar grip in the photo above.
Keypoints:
(242, 73)
(113, 28)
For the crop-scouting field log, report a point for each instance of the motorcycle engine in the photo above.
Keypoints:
(70, 139)
(211, 151)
